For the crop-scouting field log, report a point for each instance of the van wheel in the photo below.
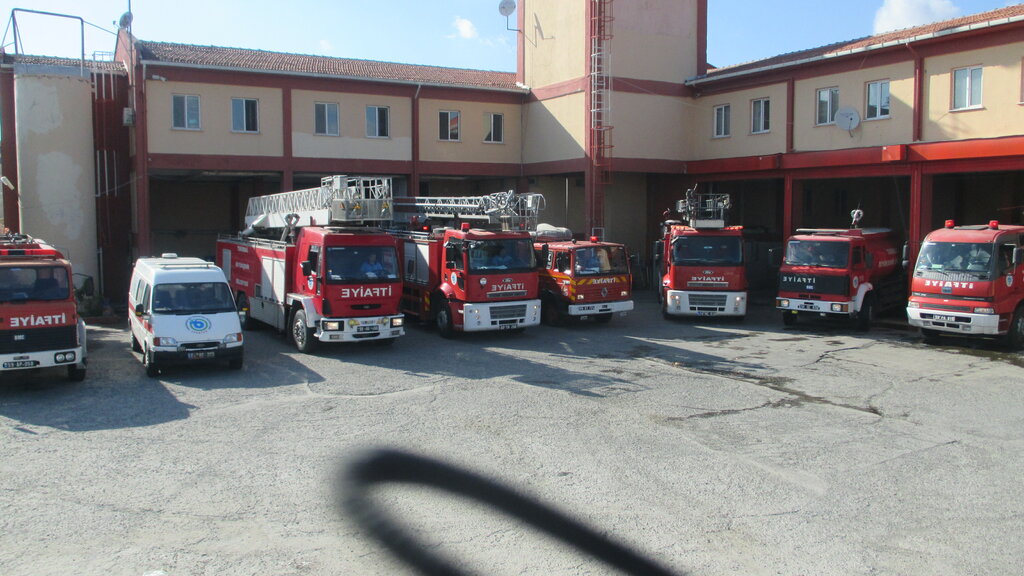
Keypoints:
(76, 374)
(147, 360)
(136, 347)
(1015, 335)
(304, 338)
(444, 320)
(243, 307)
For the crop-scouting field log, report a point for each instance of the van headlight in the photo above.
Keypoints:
(164, 341)
(232, 338)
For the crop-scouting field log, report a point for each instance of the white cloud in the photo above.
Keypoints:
(897, 14)
(463, 29)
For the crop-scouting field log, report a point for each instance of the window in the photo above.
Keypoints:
(448, 125)
(377, 121)
(967, 88)
(760, 113)
(495, 125)
(878, 100)
(325, 118)
(185, 112)
(828, 103)
(245, 115)
(721, 121)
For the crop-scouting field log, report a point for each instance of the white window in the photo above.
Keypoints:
(325, 118)
(877, 100)
(721, 121)
(377, 121)
(185, 112)
(828, 104)
(760, 113)
(448, 125)
(967, 88)
(245, 115)
(495, 128)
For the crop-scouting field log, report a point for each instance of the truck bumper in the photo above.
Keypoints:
(482, 317)
(360, 329)
(844, 308)
(43, 359)
(600, 308)
(954, 322)
(695, 303)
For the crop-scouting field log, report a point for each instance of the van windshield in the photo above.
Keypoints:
(192, 298)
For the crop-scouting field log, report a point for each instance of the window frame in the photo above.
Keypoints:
(888, 100)
(245, 118)
(327, 117)
(765, 115)
(968, 88)
(447, 114)
(199, 112)
(376, 121)
(726, 124)
(831, 110)
(489, 118)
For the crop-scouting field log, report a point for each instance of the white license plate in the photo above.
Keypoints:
(372, 328)
(706, 313)
(808, 307)
(944, 318)
(21, 364)
(200, 355)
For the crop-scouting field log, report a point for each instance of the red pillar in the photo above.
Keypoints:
(9, 150)
(792, 205)
(920, 208)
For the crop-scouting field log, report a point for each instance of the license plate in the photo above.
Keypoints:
(944, 318)
(808, 306)
(705, 313)
(370, 328)
(21, 364)
(200, 355)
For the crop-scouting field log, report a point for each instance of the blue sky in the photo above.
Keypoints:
(456, 33)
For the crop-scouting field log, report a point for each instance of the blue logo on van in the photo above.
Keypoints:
(198, 324)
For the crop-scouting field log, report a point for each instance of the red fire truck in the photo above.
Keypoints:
(41, 327)
(312, 261)
(581, 279)
(840, 273)
(475, 273)
(969, 280)
(699, 261)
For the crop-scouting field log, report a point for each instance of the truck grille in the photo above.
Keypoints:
(815, 284)
(199, 345)
(714, 300)
(38, 339)
(508, 312)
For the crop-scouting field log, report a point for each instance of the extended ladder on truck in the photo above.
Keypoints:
(704, 210)
(339, 199)
(509, 210)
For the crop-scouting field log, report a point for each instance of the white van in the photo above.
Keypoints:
(181, 311)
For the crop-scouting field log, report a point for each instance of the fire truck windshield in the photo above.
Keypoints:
(33, 283)
(706, 250)
(961, 257)
(349, 264)
(512, 254)
(818, 253)
(594, 260)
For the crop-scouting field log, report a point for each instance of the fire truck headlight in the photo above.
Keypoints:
(164, 341)
(624, 293)
(64, 357)
(232, 338)
(985, 310)
(839, 307)
(332, 326)
(913, 304)
(783, 303)
(352, 323)
(397, 322)
(579, 296)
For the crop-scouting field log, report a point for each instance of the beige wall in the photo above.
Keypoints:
(646, 126)
(56, 179)
(471, 146)
(741, 142)
(555, 35)
(897, 129)
(655, 40)
(215, 135)
(1001, 113)
(555, 129)
(351, 141)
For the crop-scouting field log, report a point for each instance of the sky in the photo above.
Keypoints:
(451, 33)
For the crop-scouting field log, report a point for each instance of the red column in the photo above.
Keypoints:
(9, 150)
(920, 208)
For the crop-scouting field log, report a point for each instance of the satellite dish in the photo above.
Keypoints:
(507, 7)
(125, 21)
(847, 118)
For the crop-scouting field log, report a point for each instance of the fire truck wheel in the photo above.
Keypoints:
(243, 308)
(444, 320)
(602, 318)
(147, 360)
(1015, 335)
(789, 318)
(867, 313)
(302, 335)
(76, 374)
(931, 336)
(136, 347)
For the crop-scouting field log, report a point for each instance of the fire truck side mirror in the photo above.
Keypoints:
(906, 255)
(307, 268)
(659, 251)
(542, 261)
(1018, 255)
(775, 257)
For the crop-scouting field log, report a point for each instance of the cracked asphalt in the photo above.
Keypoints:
(716, 448)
